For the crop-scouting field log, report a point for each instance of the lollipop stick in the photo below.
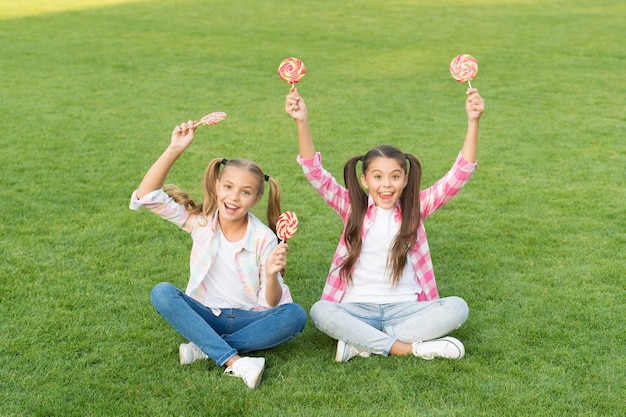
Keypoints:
(469, 83)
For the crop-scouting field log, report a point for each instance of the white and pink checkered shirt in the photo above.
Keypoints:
(431, 199)
(259, 242)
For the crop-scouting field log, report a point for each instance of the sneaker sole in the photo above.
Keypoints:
(258, 380)
(457, 344)
(182, 357)
(341, 348)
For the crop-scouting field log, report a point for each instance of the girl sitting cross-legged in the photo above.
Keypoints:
(235, 301)
(380, 295)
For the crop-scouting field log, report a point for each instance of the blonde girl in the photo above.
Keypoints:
(235, 301)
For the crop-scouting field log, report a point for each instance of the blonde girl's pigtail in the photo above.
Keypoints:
(273, 203)
(210, 180)
(358, 207)
(182, 198)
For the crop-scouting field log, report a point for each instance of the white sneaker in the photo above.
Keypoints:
(345, 352)
(189, 353)
(248, 369)
(446, 347)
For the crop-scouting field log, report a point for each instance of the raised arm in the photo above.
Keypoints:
(296, 108)
(182, 136)
(474, 107)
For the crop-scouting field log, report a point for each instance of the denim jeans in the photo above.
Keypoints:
(234, 331)
(376, 327)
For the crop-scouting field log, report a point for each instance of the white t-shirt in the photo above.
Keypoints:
(371, 281)
(222, 285)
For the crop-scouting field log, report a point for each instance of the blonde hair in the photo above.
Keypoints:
(213, 173)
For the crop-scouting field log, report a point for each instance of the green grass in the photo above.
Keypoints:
(535, 243)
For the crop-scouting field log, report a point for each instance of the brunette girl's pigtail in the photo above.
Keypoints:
(410, 200)
(358, 197)
(358, 207)
(407, 235)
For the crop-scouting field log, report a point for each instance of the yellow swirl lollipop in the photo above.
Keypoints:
(291, 70)
(463, 68)
(286, 225)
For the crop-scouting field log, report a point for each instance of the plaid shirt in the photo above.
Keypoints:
(432, 198)
(258, 243)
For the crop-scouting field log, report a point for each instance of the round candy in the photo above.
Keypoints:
(286, 225)
(463, 68)
(213, 118)
(291, 70)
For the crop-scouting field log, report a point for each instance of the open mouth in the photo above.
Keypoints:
(229, 208)
(385, 197)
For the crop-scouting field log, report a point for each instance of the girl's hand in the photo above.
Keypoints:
(295, 106)
(474, 105)
(182, 135)
(277, 260)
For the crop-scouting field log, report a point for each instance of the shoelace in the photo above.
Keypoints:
(240, 370)
(423, 355)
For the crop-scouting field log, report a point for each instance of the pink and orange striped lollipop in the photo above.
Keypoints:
(463, 68)
(291, 70)
(212, 118)
(286, 225)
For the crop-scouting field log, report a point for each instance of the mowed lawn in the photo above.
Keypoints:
(535, 243)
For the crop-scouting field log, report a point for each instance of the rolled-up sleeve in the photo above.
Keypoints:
(335, 195)
(435, 196)
(160, 203)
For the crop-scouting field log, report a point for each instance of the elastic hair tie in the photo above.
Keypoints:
(267, 177)
(406, 156)
(361, 158)
(224, 161)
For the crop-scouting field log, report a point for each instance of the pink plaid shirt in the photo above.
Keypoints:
(259, 242)
(432, 198)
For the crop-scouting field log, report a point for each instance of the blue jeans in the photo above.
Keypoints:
(234, 331)
(376, 327)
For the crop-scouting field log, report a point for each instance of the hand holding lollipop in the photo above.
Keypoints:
(463, 68)
(291, 70)
(211, 119)
(286, 225)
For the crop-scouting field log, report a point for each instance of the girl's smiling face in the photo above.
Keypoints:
(385, 180)
(237, 193)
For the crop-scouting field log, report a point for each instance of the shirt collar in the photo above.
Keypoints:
(248, 239)
(397, 210)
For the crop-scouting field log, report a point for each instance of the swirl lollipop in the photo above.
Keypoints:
(286, 225)
(291, 70)
(212, 118)
(463, 68)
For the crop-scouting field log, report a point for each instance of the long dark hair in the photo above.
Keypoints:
(409, 204)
